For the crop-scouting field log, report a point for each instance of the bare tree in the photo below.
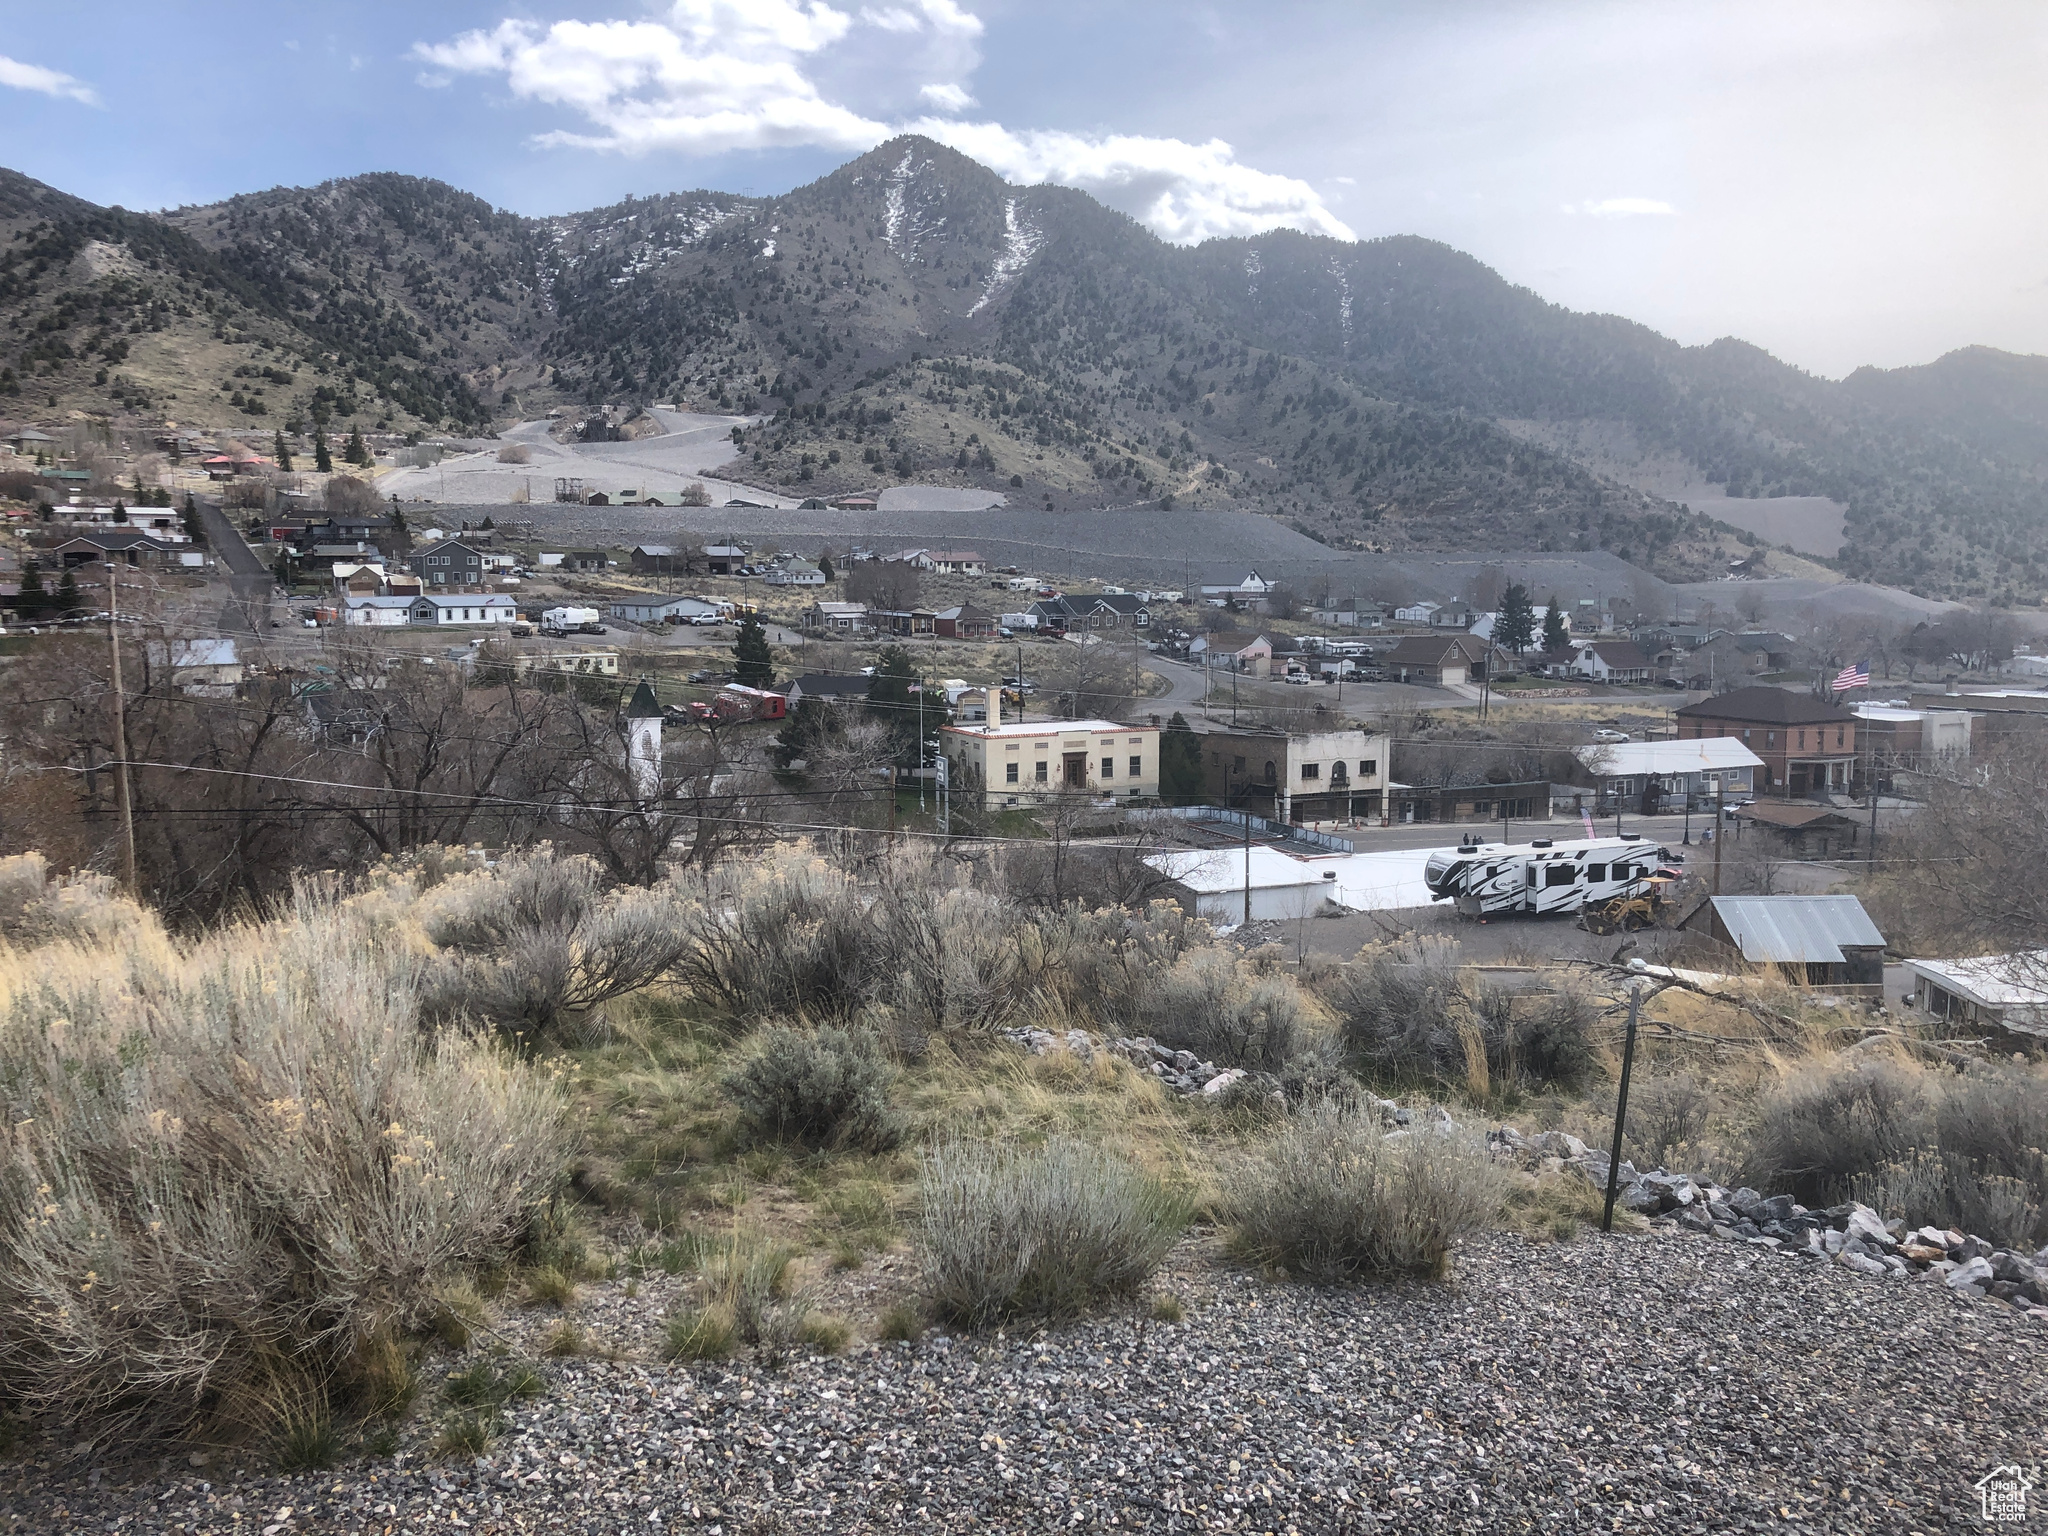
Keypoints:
(891, 585)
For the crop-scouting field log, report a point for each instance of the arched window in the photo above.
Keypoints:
(1272, 773)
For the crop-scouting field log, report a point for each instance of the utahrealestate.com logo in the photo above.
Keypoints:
(2002, 1495)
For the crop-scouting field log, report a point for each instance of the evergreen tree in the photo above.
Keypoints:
(280, 451)
(357, 452)
(825, 568)
(323, 461)
(1516, 626)
(896, 698)
(120, 513)
(33, 599)
(1180, 763)
(754, 664)
(141, 495)
(190, 520)
(397, 516)
(67, 593)
(1555, 636)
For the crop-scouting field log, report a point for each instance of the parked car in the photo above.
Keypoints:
(701, 619)
(1608, 734)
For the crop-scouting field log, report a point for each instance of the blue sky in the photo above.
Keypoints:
(1843, 183)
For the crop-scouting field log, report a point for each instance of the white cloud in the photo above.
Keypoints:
(718, 75)
(1623, 208)
(1182, 192)
(947, 97)
(48, 82)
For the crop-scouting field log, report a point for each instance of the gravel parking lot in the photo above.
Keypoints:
(1666, 1383)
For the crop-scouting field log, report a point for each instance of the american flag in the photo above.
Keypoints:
(1855, 675)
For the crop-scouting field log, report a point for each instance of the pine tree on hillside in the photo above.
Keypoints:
(280, 451)
(120, 513)
(32, 599)
(67, 592)
(190, 519)
(1516, 627)
(754, 663)
(323, 461)
(1555, 636)
(358, 452)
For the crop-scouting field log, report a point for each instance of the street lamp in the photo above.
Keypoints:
(1688, 815)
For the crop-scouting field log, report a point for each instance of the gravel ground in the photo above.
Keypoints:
(1668, 1383)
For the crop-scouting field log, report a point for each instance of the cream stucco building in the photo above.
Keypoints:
(1027, 762)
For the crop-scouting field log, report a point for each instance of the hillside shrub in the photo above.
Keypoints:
(1330, 1199)
(1986, 1170)
(1833, 1122)
(1215, 1003)
(538, 946)
(227, 1169)
(1411, 1014)
(819, 1088)
(38, 906)
(1009, 1231)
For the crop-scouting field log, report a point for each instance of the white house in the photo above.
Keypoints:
(463, 608)
(651, 609)
(377, 612)
(1416, 613)
(798, 573)
(955, 562)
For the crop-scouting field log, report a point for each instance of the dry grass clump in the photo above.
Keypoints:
(1011, 1231)
(1329, 1198)
(241, 1164)
(515, 453)
(827, 1088)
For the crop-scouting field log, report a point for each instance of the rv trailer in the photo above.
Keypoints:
(1541, 876)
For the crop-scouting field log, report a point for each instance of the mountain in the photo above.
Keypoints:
(913, 317)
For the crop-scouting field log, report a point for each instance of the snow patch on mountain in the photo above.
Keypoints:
(1022, 240)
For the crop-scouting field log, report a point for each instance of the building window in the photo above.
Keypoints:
(1237, 765)
(1137, 765)
(1011, 776)
(1770, 738)
(1109, 767)
(1311, 770)
(1367, 767)
(1272, 772)
(1838, 735)
(1040, 771)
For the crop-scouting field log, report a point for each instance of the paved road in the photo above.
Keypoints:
(250, 583)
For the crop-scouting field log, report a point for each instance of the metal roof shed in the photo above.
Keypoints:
(1823, 941)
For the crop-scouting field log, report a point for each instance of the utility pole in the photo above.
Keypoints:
(1720, 827)
(121, 732)
(892, 802)
(1247, 855)
(1870, 772)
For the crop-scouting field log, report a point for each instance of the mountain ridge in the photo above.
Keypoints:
(912, 316)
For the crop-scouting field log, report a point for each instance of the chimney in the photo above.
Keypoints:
(995, 705)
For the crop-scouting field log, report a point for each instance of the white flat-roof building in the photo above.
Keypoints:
(2005, 991)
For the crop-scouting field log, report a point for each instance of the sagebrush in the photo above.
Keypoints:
(1330, 1198)
(239, 1164)
(1011, 1231)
